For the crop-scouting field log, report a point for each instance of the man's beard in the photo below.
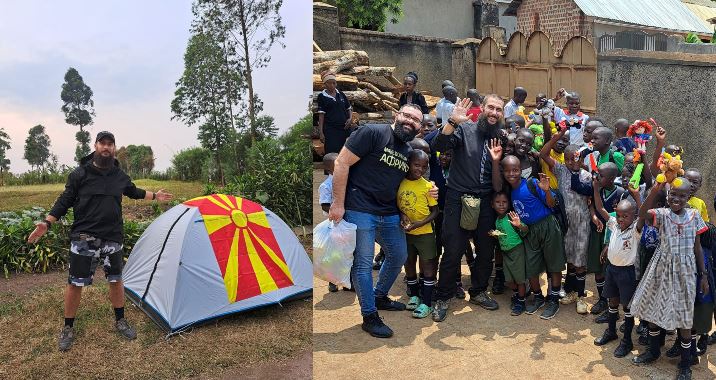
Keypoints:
(400, 134)
(101, 161)
(484, 125)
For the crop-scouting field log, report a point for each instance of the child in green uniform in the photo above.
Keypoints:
(509, 232)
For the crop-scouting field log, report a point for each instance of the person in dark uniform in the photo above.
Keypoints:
(411, 95)
(334, 115)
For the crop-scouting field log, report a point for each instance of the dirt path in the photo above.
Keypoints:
(472, 342)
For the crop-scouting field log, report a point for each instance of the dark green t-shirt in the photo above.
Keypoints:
(512, 238)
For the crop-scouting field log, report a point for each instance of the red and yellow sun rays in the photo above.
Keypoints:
(246, 249)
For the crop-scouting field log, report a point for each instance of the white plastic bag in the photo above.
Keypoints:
(333, 246)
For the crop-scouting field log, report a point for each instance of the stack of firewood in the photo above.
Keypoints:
(373, 91)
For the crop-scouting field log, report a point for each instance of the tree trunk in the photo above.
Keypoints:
(244, 32)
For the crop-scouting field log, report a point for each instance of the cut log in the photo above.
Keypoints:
(394, 80)
(347, 61)
(431, 101)
(316, 48)
(382, 95)
(332, 55)
(375, 71)
(380, 84)
(359, 95)
(345, 82)
(376, 115)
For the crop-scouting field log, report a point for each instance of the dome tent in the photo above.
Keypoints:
(214, 256)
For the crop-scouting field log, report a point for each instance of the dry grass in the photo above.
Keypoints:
(15, 198)
(30, 322)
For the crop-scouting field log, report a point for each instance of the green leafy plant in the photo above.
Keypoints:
(692, 38)
(368, 15)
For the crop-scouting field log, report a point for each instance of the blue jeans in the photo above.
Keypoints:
(387, 230)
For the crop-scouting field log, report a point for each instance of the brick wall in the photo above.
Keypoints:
(559, 19)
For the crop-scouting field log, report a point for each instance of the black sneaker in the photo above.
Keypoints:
(702, 345)
(600, 307)
(712, 338)
(482, 299)
(385, 303)
(536, 304)
(373, 325)
(460, 292)
(513, 300)
(645, 358)
(623, 349)
(675, 350)
(606, 337)
(440, 308)
(351, 289)
(125, 330)
(684, 374)
(550, 310)
(517, 309)
(67, 336)
(379, 259)
(332, 287)
(622, 328)
(603, 318)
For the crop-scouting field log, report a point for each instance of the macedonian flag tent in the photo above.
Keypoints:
(213, 256)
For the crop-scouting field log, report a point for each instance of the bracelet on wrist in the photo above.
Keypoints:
(452, 122)
(47, 222)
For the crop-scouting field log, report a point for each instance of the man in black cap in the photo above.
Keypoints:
(94, 191)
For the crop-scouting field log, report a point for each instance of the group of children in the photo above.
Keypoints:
(579, 196)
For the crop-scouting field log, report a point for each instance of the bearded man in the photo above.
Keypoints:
(366, 177)
(471, 174)
(94, 191)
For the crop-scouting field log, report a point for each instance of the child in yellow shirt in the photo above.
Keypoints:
(417, 211)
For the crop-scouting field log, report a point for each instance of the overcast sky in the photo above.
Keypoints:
(131, 54)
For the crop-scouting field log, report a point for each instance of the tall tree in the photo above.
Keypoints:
(254, 26)
(37, 147)
(4, 161)
(78, 108)
(136, 160)
(206, 93)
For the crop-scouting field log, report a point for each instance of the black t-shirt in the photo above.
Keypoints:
(334, 109)
(418, 100)
(374, 180)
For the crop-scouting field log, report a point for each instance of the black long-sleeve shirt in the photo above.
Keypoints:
(471, 165)
(95, 195)
(418, 100)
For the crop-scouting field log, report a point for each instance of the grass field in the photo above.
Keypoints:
(31, 317)
(15, 198)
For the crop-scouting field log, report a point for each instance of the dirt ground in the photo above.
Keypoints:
(471, 341)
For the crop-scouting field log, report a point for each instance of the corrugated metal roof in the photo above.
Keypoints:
(666, 14)
(702, 12)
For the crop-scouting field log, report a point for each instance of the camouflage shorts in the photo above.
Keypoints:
(86, 252)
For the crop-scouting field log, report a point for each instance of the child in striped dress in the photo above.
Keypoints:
(665, 296)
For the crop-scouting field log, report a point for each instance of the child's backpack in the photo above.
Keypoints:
(558, 210)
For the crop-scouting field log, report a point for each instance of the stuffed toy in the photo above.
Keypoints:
(640, 131)
(671, 168)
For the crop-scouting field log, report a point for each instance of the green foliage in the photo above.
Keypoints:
(713, 36)
(136, 160)
(692, 38)
(38, 177)
(78, 108)
(83, 145)
(248, 28)
(279, 178)
(296, 133)
(52, 250)
(37, 147)
(188, 164)
(207, 93)
(4, 161)
(368, 15)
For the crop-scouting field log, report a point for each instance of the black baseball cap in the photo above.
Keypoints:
(103, 135)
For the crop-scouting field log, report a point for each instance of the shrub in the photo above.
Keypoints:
(52, 250)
